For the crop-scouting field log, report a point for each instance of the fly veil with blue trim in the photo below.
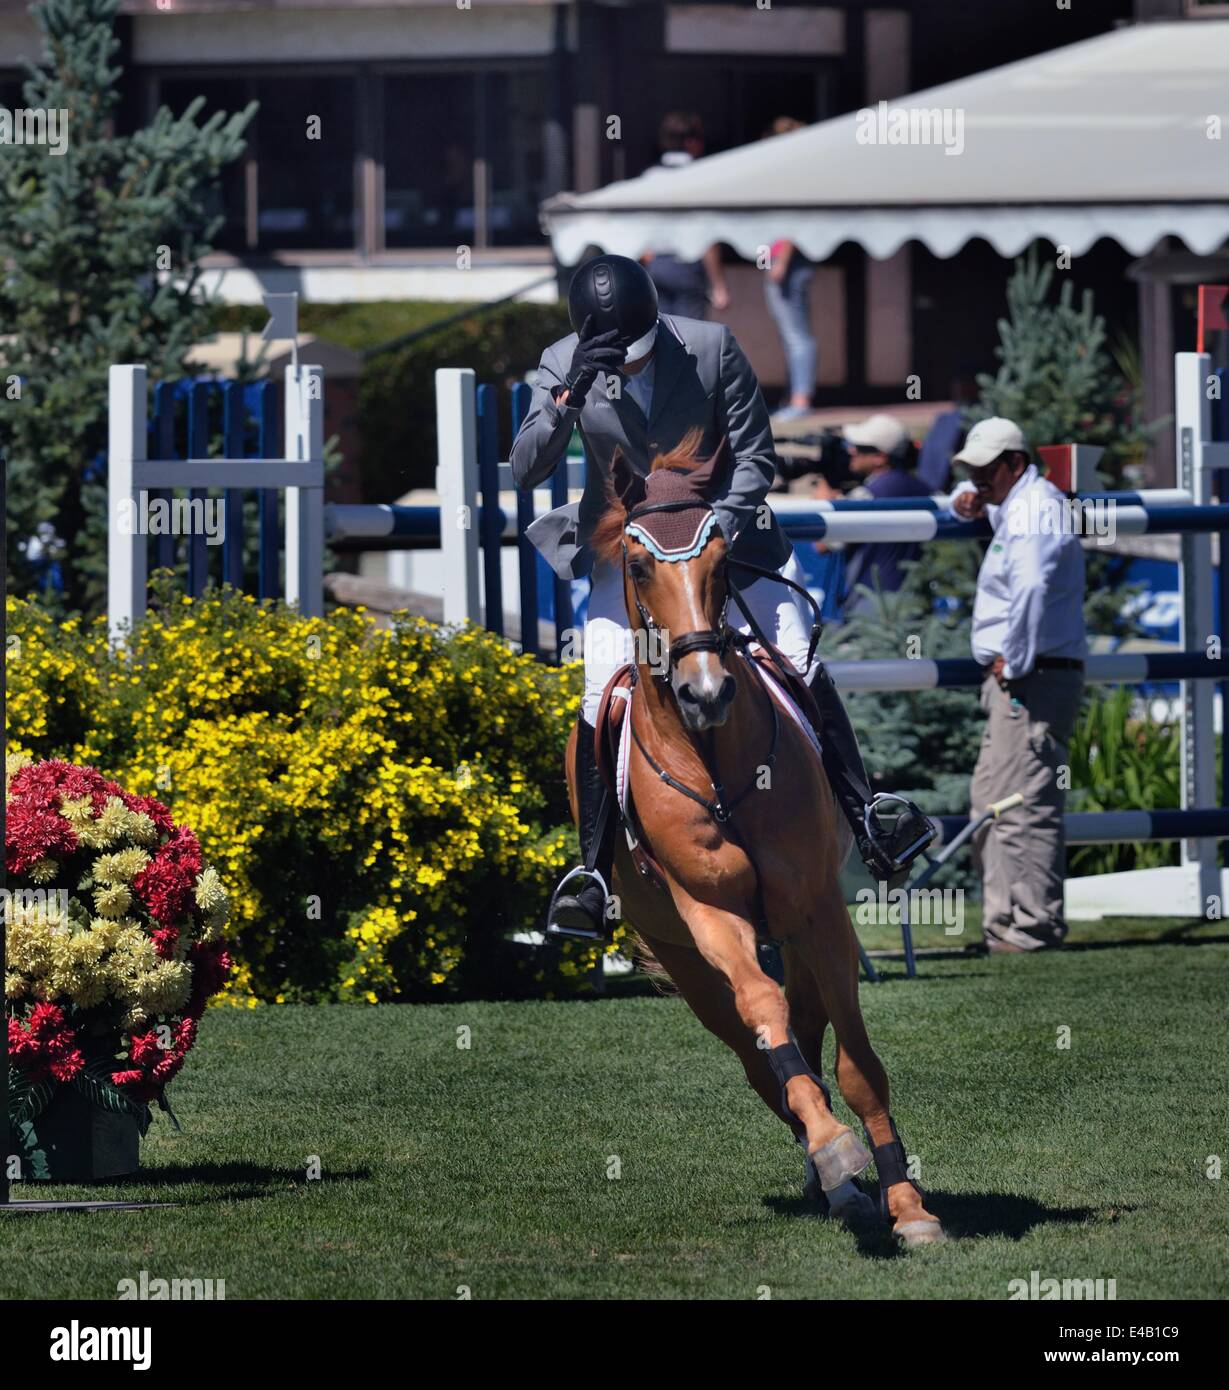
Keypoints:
(670, 513)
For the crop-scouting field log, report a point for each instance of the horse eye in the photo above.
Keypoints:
(640, 570)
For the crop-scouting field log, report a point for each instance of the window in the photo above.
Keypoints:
(304, 140)
(229, 95)
(463, 161)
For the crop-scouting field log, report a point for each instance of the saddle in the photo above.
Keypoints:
(613, 747)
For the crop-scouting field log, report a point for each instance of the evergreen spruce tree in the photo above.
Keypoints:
(102, 242)
(1057, 378)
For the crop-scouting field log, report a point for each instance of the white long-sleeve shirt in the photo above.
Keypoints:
(1030, 589)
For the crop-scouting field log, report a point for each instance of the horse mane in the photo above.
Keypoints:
(607, 537)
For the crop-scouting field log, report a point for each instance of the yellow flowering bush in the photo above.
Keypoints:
(385, 804)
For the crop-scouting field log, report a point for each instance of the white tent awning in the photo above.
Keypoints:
(1117, 136)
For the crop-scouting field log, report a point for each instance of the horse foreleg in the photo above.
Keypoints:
(710, 998)
(727, 943)
(808, 1017)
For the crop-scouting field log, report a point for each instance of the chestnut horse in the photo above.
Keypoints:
(769, 853)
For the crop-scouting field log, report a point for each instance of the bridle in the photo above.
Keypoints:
(710, 639)
(719, 640)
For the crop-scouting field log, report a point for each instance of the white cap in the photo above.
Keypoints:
(882, 432)
(988, 439)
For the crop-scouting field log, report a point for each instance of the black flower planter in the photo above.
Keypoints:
(74, 1140)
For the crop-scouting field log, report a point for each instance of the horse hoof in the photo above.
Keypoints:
(913, 1233)
(839, 1160)
(848, 1203)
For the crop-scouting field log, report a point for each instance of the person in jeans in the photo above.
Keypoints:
(1028, 635)
(787, 289)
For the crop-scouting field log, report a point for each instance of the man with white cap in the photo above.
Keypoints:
(880, 456)
(1028, 635)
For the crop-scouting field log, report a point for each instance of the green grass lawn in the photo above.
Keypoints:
(493, 1167)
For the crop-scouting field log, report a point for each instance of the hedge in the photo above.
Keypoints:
(385, 805)
(397, 388)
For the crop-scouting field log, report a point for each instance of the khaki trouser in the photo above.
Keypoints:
(1021, 855)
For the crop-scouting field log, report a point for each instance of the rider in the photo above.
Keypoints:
(635, 381)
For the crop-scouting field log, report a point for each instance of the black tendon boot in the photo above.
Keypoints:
(892, 1165)
(579, 906)
(837, 1163)
(889, 831)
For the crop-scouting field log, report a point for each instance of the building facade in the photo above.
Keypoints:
(402, 147)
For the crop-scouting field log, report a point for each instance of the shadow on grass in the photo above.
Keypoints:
(258, 1178)
(964, 1215)
(1179, 935)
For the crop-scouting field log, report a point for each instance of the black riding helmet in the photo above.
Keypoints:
(618, 293)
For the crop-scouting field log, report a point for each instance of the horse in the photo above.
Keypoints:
(763, 850)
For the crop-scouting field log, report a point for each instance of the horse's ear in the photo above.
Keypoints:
(712, 477)
(626, 483)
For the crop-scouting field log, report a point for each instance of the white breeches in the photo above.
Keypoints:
(783, 615)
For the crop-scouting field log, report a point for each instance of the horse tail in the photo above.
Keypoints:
(648, 964)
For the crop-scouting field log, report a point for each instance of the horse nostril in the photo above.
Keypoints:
(686, 694)
(726, 693)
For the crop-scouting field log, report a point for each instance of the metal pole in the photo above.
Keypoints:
(304, 433)
(1193, 429)
(126, 445)
(456, 481)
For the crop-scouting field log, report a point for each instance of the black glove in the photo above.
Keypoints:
(601, 352)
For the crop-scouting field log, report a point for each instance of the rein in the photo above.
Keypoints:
(719, 640)
(719, 808)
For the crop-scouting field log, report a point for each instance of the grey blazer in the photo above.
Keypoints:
(701, 379)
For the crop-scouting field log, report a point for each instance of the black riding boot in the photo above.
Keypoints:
(580, 903)
(887, 847)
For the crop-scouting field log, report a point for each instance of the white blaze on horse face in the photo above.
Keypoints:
(707, 686)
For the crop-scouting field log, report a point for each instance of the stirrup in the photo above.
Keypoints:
(895, 847)
(577, 933)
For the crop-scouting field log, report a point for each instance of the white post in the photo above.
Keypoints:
(304, 439)
(126, 446)
(1193, 427)
(456, 481)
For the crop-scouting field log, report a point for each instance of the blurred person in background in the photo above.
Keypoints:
(685, 289)
(881, 458)
(947, 432)
(787, 288)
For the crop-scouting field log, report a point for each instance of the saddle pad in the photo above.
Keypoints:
(776, 688)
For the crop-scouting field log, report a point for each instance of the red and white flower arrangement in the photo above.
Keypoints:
(113, 934)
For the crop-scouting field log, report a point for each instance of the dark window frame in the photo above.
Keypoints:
(369, 80)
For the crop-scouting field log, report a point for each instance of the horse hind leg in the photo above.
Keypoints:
(831, 950)
(809, 1023)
